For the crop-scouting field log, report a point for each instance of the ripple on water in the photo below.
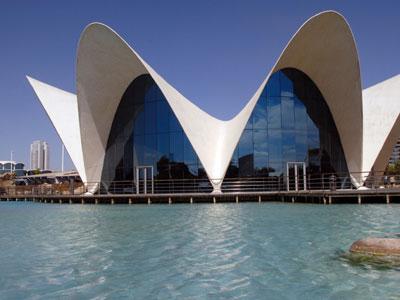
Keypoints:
(250, 251)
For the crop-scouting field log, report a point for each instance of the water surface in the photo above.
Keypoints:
(206, 251)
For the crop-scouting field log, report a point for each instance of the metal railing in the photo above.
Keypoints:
(326, 181)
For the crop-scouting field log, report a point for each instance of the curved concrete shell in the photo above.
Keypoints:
(106, 65)
(62, 109)
(381, 107)
(323, 48)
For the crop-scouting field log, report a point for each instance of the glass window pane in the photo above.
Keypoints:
(189, 155)
(139, 120)
(274, 112)
(162, 146)
(193, 171)
(273, 86)
(173, 122)
(235, 157)
(286, 86)
(260, 114)
(128, 153)
(300, 115)
(261, 152)
(275, 145)
(246, 143)
(301, 146)
(162, 119)
(288, 146)
(246, 158)
(138, 150)
(150, 110)
(276, 169)
(150, 153)
(176, 146)
(150, 95)
(287, 113)
(249, 124)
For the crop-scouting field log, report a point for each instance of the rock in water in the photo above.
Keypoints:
(377, 246)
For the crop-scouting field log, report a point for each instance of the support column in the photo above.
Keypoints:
(216, 184)
(359, 199)
(387, 199)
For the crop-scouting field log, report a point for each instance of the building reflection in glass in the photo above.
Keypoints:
(145, 132)
(291, 122)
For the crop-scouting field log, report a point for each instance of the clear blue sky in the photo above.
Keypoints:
(214, 52)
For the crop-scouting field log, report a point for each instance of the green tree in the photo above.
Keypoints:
(393, 169)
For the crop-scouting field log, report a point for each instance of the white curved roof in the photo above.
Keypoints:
(62, 109)
(381, 106)
(323, 48)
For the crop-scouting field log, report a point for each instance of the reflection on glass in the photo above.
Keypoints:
(290, 123)
(274, 112)
(145, 132)
(260, 114)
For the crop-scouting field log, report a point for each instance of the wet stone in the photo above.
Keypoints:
(377, 246)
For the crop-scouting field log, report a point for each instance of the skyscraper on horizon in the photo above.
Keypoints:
(40, 155)
(395, 153)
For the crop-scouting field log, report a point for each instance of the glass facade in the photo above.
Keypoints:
(290, 123)
(17, 168)
(145, 132)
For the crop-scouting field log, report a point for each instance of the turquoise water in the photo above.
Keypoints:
(222, 251)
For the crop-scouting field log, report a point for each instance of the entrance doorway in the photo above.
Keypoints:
(144, 180)
(296, 176)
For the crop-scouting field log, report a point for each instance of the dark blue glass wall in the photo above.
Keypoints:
(145, 132)
(290, 123)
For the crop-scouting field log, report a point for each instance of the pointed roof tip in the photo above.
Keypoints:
(329, 12)
(31, 80)
(95, 25)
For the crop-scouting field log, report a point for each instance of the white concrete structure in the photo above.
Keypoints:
(381, 107)
(62, 109)
(323, 48)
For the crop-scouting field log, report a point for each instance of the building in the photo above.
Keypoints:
(310, 116)
(7, 166)
(395, 153)
(40, 156)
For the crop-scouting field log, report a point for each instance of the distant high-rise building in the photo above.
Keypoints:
(395, 153)
(40, 155)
